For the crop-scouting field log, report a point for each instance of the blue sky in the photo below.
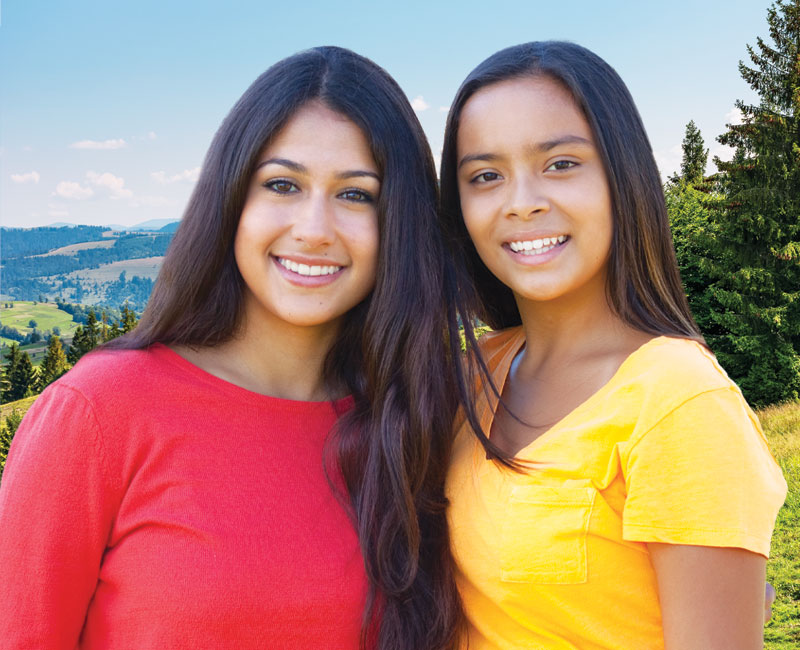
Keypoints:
(108, 107)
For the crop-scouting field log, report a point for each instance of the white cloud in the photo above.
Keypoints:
(419, 104)
(190, 175)
(722, 151)
(734, 116)
(29, 177)
(72, 190)
(151, 135)
(119, 143)
(669, 160)
(444, 109)
(114, 185)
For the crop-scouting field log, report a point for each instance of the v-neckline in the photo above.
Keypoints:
(505, 367)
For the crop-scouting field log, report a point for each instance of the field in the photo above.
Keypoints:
(74, 248)
(144, 267)
(782, 427)
(46, 315)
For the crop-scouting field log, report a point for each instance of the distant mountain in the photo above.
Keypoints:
(170, 227)
(153, 224)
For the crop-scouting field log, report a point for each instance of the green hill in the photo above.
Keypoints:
(46, 315)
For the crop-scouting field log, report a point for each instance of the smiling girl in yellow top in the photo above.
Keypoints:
(641, 512)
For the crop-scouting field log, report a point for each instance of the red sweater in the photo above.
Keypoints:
(148, 504)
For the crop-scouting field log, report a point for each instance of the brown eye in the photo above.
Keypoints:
(357, 196)
(486, 177)
(562, 165)
(281, 186)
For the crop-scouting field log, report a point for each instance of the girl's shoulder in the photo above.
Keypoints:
(105, 373)
(684, 364)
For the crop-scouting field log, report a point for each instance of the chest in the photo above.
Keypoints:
(238, 532)
(532, 405)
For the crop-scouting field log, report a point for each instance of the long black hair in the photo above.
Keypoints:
(397, 351)
(643, 283)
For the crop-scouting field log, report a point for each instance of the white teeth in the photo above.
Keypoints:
(537, 246)
(306, 269)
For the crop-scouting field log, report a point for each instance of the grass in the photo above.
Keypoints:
(46, 315)
(782, 427)
(21, 406)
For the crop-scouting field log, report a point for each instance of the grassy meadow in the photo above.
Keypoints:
(46, 315)
(782, 427)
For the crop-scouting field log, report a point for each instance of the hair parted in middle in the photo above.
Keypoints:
(644, 287)
(397, 351)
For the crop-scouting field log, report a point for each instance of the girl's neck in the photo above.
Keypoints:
(272, 357)
(573, 327)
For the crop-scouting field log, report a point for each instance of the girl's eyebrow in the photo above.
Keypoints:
(542, 147)
(302, 169)
(285, 162)
(539, 147)
(480, 157)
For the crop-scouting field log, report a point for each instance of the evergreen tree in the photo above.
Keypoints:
(12, 357)
(693, 236)
(79, 345)
(128, 320)
(54, 363)
(104, 326)
(695, 157)
(22, 378)
(92, 330)
(758, 222)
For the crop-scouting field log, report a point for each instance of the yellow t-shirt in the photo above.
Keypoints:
(555, 558)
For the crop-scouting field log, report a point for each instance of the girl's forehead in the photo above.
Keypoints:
(518, 111)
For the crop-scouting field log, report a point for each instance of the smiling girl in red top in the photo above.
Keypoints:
(171, 491)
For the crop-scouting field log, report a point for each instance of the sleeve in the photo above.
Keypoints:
(56, 510)
(703, 475)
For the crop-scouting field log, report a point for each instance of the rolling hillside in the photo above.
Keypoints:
(83, 264)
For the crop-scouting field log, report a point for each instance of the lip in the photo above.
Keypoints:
(307, 281)
(541, 258)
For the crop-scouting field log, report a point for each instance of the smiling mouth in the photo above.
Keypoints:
(537, 246)
(308, 270)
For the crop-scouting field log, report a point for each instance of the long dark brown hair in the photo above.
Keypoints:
(397, 352)
(643, 283)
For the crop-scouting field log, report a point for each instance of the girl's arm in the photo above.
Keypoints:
(711, 598)
(56, 510)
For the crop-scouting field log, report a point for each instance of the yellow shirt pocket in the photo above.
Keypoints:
(544, 535)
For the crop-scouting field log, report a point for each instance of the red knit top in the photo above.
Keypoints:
(148, 504)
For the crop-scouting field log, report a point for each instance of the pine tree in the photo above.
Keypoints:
(92, 330)
(104, 326)
(128, 320)
(12, 357)
(22, 378)
(114, 331)
(695, 157)
(758, 222)
(78, 347)
(693, 227)
(54, 363)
